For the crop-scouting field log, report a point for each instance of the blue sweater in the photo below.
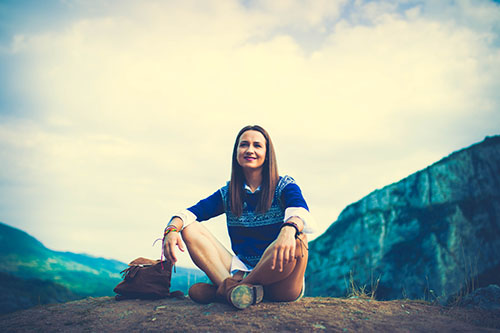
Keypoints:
(251, 233)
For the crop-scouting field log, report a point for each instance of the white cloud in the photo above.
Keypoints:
(137, 109)
(298, 14)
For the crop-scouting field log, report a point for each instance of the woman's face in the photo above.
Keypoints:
(251, 150)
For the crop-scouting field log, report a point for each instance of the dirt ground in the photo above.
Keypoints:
(310, 314)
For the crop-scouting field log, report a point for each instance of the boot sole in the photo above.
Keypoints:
(244, 295)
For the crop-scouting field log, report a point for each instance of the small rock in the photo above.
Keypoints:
(487, 298)
(319, 326)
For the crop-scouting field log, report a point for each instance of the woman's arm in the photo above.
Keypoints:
(172, 238)
(298, 216)
(296, 209)
(208, 208)
(204, 210)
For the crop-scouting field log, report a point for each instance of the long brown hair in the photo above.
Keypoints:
(270, 175)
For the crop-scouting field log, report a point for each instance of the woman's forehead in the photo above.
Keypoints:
(253, 136)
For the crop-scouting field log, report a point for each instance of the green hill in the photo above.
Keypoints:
(18, 294)
(23, 256)
(30, 268)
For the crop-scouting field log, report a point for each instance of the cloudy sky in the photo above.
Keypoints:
(115, 114)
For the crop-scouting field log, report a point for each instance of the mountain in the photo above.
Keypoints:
(35, 274)
(23, 256)
(18, 294)
(432, 235)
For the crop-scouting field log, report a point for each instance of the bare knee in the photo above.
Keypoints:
(196, 232)
(189, 232)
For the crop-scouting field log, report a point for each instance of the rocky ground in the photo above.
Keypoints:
(104, 314)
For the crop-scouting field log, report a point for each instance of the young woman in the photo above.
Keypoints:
(267, 217)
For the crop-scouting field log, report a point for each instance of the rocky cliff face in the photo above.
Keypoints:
(428, 235)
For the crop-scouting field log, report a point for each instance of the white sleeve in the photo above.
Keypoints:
(186, 216)
(304, 215)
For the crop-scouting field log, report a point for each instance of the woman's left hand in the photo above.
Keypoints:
(284, 249)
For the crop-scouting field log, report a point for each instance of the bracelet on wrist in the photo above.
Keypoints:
(169, 229)
(294, 225)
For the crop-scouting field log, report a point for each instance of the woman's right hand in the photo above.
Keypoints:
(172, 240)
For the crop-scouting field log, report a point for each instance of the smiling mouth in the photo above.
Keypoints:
(249, 158)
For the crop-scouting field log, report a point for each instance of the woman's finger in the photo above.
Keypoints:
(292, 253)
(275, 257)
(166, 251)
(180, 244)
(280, 260)
(286, 255)
(178, 241)
(173, 258)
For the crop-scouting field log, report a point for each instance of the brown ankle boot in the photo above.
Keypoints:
(225, 287)
(240, 295)
(203, 293)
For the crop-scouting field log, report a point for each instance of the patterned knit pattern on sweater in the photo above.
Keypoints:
(252, 232)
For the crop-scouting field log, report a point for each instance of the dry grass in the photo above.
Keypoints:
(356, 291)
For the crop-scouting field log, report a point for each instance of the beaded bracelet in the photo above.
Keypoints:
(292, 224)
(169, 229)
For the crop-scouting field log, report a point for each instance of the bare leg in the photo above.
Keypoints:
(207, 252)
(281, 286)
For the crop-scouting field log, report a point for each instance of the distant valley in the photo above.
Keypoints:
(31, 274)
